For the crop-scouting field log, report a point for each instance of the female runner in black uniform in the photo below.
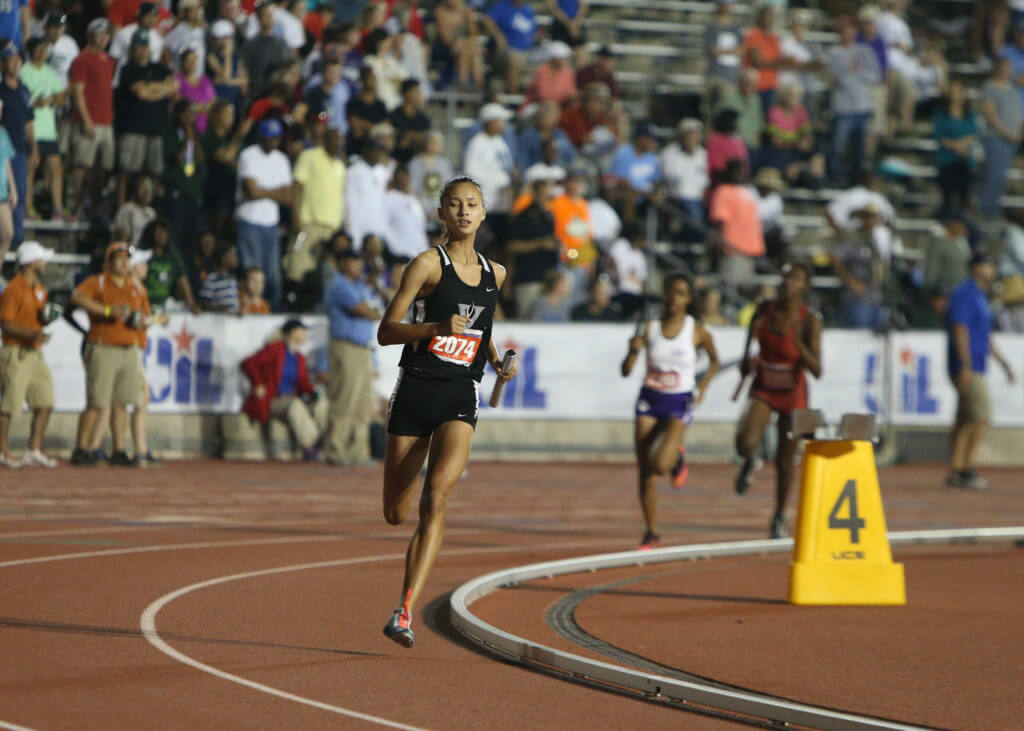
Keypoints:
(453, 290)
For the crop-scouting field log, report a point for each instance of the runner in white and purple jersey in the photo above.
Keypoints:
(670, 392)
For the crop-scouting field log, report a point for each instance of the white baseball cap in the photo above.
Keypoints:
(542, 173)
(222, 29)
(31, 251)
(139, 256)
(868, 13)
(557, 49)
(493, 111)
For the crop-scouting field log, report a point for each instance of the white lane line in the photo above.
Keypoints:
(168, 547)
(13, 537)
(218, 544)
(14, 726)
(147, 621)
(204, 545)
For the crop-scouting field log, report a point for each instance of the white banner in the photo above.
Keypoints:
(922, 393)
(192, 364)
(566, 371)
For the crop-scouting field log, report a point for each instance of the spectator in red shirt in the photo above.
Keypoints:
(602, 70)
(554, 80)
(281, 388)
(580, 118)
(123, 12)
(317, 19)
(725, 145)
(92, 134)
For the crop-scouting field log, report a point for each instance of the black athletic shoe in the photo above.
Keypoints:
(746, 474)
(121, 459)
(649, 541)
(967, 480)
(147, 460)
(81, 458)
(779, 529)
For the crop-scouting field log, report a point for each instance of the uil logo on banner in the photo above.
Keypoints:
(914, 383)
(179, 369)
(841, 552)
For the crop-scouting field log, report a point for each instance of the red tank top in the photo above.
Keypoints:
(779, 362)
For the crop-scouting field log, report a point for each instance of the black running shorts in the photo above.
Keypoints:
(420, 405)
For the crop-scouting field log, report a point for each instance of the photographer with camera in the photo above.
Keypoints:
(118, 308)
(24, 375)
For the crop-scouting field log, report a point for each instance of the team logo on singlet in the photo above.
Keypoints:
(471, 312)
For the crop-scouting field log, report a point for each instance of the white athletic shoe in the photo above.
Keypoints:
(9, 462)
(35, 458)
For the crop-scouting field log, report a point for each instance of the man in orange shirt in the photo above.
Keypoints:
(574, 231)
(737, 226)
(24, 375)
(763, 51)
(118, 309)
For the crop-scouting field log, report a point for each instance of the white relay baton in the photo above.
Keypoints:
(499, 385)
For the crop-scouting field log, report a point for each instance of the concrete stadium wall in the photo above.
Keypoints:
(234, 437)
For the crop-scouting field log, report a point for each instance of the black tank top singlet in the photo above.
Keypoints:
(454, 356)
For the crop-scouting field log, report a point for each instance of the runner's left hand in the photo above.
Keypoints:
(510, 374)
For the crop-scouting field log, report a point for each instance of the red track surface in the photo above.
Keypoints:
(85, 552)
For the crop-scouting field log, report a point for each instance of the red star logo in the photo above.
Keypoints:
(184, 340)
(906, 356)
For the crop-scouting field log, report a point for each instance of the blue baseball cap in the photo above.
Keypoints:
(270, 128)
(9, 50)
(644, 129)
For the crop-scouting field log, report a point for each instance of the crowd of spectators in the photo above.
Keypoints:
(248, 143)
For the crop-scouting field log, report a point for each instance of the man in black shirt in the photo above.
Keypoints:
(318, 99)
(141, 112)
(410, 122)
(532, 249)
(265, 52)
(364, 111)
(17, 117)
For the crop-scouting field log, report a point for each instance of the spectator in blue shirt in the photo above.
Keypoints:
(14, 19)
(567, 18)
(969, 327)
(956, 131)
(219, 292)
(518, 23)
(868, 17)
(17, 117)
(543, 130)
(351, 318)
(636, 169)
(1014, 53)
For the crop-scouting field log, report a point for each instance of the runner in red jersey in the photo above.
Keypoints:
(788, 334)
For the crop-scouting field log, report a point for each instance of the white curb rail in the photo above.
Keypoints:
(734, 701)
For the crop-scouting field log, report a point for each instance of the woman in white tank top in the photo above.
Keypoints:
(665, 406)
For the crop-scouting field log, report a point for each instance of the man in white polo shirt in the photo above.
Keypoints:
(264, 183)
(489, 160)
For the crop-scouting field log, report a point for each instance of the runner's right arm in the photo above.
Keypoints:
(425, 270)
(745, 365)
(636, 344)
